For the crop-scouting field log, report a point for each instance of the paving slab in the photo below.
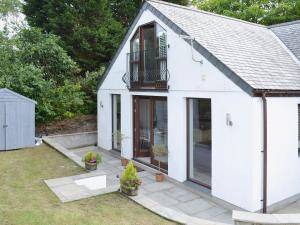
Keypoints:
(194, 206)
(166, 198)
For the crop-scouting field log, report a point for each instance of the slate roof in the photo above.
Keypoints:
(251, 55)
(251, 51)
(289, 34)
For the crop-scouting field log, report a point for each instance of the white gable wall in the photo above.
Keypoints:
(236, 150)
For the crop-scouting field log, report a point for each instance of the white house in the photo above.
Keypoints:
(221, 94)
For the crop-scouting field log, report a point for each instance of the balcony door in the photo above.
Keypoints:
(199, 141)
(148, 57)
(150, 128)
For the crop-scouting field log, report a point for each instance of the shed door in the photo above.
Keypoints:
(15, 125)
(2, 126)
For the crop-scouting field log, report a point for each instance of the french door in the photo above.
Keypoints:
(199, 141)
(150, 128)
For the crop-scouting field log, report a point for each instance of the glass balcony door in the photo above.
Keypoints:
(199, 141)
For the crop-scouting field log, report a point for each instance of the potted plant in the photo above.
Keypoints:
(91, 160)
(129, 181)
(159, 151)
(120, 137)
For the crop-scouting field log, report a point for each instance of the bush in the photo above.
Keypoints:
(33, 64)
(129, 178)
(92, 157)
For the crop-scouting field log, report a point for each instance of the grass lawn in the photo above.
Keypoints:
(26, 200)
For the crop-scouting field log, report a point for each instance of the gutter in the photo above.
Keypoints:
(264, 94)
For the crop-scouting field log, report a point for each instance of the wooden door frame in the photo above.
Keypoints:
(188, 144)
(136, 144)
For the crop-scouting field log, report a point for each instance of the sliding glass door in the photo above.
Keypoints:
(116, 122)
(199, 141)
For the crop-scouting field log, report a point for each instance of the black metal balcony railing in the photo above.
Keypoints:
(147, 69)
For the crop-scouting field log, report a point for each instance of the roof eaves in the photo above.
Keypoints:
(284, 24)
(205, 53)
(17, 95)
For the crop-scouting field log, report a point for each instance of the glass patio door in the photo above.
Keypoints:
(116, 122)
(150, 129)
(199, 141)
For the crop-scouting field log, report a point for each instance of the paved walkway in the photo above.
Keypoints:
(174, 199)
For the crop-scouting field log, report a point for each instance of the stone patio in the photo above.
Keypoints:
(173, 198)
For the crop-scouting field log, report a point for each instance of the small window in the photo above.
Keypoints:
(299, 130)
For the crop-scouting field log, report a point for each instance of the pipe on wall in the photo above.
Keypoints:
(265, 152)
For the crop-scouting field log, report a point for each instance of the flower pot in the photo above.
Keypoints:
(90, 166)
(124, 161)
(129, 191)
(159, 177)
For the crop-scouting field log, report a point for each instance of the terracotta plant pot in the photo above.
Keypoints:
(90, 166)
(129, 191)
(124, 161)
(159, 177)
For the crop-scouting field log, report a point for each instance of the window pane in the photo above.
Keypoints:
(149, 54)
(160, 128)
(200, 140)
(116, 121)
(144, 121)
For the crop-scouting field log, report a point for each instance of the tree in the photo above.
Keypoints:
(43, 51)
(125, 10)
(30, 76)
(9, 6)
(87, 29)
(265, 12)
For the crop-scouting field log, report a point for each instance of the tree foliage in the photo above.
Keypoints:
(87, 29)
(9, 6)
(125, 10)
(265, 12)
(24, 69)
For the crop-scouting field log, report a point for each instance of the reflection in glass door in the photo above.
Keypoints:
(116, 122)
(150, 129)
(160, 131)
(199, 141)
(144, 128)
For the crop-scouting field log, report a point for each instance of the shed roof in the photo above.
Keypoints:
(251, 55)
(8, 95)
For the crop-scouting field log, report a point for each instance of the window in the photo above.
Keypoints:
(148, 56)
(116, 122)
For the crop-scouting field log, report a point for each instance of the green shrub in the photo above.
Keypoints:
(92, 157)
(129, 177)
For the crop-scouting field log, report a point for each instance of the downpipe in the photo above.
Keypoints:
(265, 152)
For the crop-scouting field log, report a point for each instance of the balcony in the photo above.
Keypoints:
(147, 70)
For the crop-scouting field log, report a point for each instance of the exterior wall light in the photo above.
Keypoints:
(228, 120)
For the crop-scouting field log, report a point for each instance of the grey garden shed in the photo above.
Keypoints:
(17, 121)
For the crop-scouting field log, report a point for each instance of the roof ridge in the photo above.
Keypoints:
(206, 12)
(284, 24)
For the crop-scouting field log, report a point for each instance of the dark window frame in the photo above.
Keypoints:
(141, 58)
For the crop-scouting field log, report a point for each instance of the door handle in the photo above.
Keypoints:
(5, 126)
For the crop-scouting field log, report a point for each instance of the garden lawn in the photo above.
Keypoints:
(26, 200)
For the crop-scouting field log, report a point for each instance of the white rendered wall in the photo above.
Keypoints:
(283, 160)
(236, 150)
